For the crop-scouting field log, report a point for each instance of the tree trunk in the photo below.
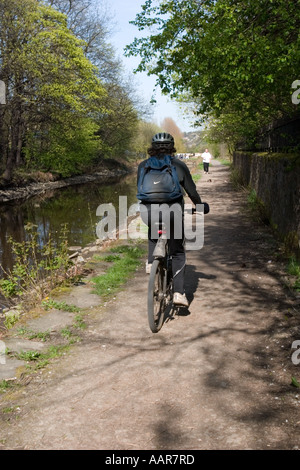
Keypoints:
(16, 134)
(10, 163)
(19, 145)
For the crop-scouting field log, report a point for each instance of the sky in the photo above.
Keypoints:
(123, 34)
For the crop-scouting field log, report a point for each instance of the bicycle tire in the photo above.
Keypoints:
(156, 296)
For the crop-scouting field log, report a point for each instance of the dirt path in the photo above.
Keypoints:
(217, 378)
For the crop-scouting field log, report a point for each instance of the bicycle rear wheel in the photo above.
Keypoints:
(156, 296)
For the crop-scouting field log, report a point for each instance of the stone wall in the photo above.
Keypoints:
(276, 181)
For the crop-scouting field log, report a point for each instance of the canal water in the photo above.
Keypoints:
(73, 207)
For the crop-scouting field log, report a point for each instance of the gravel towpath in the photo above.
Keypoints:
(218, 376)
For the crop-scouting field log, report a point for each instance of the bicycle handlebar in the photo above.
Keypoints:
(206, 208)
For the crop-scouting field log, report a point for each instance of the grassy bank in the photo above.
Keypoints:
(122, 263)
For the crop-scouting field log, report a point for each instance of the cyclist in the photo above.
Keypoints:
(163, 145)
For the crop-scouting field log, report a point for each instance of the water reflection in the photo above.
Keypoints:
(74, 207)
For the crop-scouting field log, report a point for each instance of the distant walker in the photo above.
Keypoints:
(206, 156)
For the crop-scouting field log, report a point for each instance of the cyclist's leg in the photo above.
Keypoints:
(178, 268)
(177, 250)
(146, 218)
(178, 265)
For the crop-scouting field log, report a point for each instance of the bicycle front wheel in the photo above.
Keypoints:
(156, 296)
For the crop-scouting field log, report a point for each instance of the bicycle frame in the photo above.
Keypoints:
(160, 290)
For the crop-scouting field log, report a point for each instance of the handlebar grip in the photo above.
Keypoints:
(205, 207)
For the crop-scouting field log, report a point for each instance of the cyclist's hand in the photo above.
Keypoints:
(205, 208)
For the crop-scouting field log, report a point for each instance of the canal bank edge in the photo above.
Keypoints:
(110, 169)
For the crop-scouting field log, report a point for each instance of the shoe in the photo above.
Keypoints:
(148, 267)
(180, 299)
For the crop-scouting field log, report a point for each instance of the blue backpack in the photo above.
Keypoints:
(158, 181)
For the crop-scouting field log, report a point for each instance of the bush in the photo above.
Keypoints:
(37, 269)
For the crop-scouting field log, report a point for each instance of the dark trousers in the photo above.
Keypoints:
(205, 166)
(173, 220)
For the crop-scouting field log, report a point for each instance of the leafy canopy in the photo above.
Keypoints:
(227, 55)
(54, 92)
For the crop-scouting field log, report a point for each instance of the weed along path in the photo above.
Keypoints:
(218, 376)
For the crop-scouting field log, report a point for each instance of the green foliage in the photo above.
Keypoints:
(79, 322)
(295, 382)
(41, 335)
(41, 359)
(60, 114)
(119, 123)
(235, 60)
(4, 385)
(11, 318)
(142, 137)
(111, 258)
(50, 303)
(29, 355)
(66, 91)
(197, 176)
(294, 267)
(257, 208)
(125, 264)
(65, 151)
(37, 269)
(294, 270)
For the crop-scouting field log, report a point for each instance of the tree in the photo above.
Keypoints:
(169, 125)
(90, 21)
(117, 125)
(53, 89)
(233, 58)
(143, 136)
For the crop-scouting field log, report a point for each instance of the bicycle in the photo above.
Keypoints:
(160, 287)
